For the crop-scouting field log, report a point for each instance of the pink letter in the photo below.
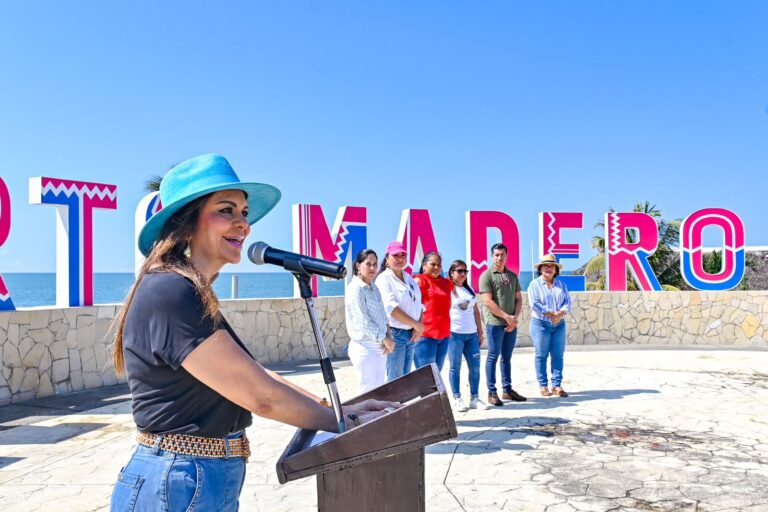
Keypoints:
(477, 226)
(630, 237)
(416, 234)
(6, 304)
(75, 202)
(550, 224)
(311, 236)
(692, 260)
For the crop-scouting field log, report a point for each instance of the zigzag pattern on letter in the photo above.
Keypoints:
(614, 237)
(551, 237)
(5, 297)
(80, 190)
(342, 239)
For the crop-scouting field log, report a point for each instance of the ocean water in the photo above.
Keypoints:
(39, 289)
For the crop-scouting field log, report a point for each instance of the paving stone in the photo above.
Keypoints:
(651, 442)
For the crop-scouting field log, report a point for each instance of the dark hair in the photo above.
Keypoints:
(361, 257)
(557, 269)
(426, 258)
(383, 266)
(460, 263)
(499, 247)
(168, 255)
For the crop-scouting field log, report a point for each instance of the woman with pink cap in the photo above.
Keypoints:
(402, 302)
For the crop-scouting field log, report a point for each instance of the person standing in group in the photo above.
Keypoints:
(503, 301)
(466, 338)
(436, 290)
(402, 302)
(193, 382)
(550, 302)
(366, 320)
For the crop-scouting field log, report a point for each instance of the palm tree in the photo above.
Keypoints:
(664, 261)
(153, 183)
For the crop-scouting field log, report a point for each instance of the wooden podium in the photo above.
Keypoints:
(378, 466)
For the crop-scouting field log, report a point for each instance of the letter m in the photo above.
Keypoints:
(311, 236)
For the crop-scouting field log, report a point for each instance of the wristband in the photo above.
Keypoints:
(354, 419)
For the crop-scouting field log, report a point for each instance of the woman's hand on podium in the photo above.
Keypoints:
(367, 410)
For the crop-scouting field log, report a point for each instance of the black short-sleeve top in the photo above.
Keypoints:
(164, 323)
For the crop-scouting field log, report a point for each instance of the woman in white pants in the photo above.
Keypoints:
(367, 324)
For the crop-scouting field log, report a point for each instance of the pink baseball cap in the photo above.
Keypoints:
(395, 247)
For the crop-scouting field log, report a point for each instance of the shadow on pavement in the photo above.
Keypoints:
(602, 394)
(32, 411)
(498, 433)
(573, 398)
(37, 434)
(6, 461)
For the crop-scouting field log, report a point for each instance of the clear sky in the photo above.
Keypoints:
(497, 105)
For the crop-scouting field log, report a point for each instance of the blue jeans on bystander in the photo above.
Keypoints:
(548, 341)
(400, 360)
(430, 350)
(467, 346)
(500, 344)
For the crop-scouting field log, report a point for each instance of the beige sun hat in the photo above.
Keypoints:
(548, 259)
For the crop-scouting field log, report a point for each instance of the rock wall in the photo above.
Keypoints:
(52, 351)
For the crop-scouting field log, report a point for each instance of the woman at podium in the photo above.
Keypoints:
(193, 383)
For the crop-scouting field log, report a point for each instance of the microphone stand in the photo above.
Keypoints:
(305, 289)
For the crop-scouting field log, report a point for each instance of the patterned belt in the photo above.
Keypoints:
(213, 447)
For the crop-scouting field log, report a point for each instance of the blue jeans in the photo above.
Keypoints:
(548, 341)
(466, 345)
(400, 360)
(430, 350)
(156, 479)
(500, 343)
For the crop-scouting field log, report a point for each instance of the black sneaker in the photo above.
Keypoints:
(511, 394)
(493, 399)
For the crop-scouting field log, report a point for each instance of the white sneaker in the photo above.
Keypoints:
(476, 403)
(459, 405)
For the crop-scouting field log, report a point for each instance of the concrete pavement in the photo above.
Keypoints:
(644, 429)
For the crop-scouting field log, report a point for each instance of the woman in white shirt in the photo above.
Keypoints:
(466, 338)
(366, 323)
(402, 302)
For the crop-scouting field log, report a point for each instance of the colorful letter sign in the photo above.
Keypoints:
(148, 206)
(311, 236)
(6, 304)
(630, 238)
(75, 201)
(416, 233)
(692, 260)
(478, 248)
(550, 224)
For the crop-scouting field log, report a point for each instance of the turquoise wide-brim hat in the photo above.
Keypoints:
(195, 178)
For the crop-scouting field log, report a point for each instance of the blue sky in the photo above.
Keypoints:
(449, 106)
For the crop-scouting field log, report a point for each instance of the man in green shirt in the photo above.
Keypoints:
(503, 301)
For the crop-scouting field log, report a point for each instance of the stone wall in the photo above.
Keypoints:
(53, 351)
(738, 318)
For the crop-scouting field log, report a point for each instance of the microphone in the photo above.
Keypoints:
(261, 253)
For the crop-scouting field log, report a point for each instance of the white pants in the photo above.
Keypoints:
(370, 364)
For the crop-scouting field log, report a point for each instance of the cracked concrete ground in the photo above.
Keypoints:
(643, 430)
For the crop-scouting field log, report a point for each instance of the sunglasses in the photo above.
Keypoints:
(460, 270)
